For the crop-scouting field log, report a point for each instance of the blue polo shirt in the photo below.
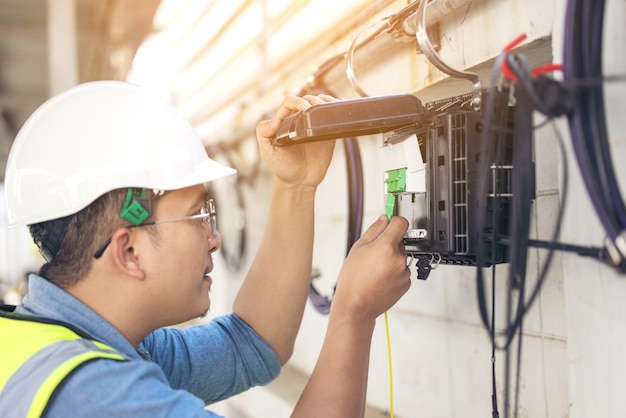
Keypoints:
(174, 372)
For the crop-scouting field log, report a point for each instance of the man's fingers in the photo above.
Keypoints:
(267, 128)
(397, 228)
(292, 104)
(393, 230)
(319, 99)
(373, 232)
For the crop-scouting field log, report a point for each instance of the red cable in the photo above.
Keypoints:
(546, 68)
(542, 69)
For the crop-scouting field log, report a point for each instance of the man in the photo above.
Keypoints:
(111, 181)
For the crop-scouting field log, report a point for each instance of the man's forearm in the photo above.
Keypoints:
(338, 384)
(273, 296)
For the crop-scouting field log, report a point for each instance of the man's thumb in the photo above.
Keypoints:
(373, 232)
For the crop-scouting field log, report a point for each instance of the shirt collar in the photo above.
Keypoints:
(45, 299)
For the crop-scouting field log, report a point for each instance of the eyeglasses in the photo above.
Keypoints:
(207, 214)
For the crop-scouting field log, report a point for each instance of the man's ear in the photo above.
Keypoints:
(123, 254)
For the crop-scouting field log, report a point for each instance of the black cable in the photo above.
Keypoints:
(552, 246)
(524, 76)
(485, 156)
(531, 93)
(598, 253)
(528, 96)
(494, 389)
(523, 194)
(582, 62)
(518, 371)
(354, 166)
(321, 302)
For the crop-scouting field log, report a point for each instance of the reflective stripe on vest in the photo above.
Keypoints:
(35, 358)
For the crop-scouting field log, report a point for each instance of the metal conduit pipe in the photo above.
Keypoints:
(400, 29)
(436, 10)
(397, 34)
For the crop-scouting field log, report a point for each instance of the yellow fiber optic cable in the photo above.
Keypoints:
(390, 366)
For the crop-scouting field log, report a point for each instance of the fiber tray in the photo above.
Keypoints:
(350, 118)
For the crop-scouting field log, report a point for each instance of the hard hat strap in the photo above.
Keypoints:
(49, 235)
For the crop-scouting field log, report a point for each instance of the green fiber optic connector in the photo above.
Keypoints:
(396, 181)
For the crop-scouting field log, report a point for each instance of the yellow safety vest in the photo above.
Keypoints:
(36, 355)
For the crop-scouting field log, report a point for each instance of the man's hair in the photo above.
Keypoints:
(68, 243)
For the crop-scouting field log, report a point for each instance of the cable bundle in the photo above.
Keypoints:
(533, 91)
(582, 67)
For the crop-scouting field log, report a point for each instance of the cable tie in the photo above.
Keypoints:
(615, 249)
(620, 244)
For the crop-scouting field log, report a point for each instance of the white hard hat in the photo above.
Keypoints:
(97, 137)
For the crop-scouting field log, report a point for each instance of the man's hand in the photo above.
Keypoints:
(373, 278)
(296, 165)
(374, 275)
